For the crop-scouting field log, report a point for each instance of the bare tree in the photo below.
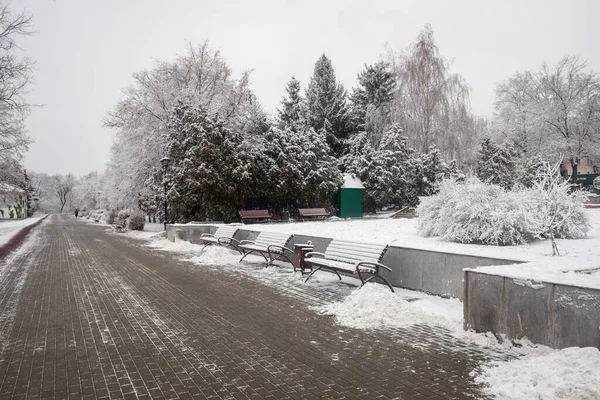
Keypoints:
(553, 111)
(15, 76)
(558, 204)
(64, 187)
(431, 103)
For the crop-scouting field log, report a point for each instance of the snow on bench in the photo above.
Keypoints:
(271, 244)
(350, 257)
(223, 237)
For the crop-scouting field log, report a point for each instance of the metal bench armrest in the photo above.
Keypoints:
(375, 264)
(314, 253)
(275, 246)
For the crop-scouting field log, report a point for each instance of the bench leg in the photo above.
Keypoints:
(250, 252)
(380, 277)
(235, 247)
(312, 273)
(279, 257)
(338, 274)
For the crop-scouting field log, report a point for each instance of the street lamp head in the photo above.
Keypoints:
(165, 161)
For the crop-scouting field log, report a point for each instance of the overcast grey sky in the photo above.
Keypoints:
(86, 51)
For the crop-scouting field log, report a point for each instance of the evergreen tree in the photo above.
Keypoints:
(433, 170)
(26, 185)
(293, 112)
(495, 164)
(376, 85)
(327, 110)
(207, 172)
(371, 100)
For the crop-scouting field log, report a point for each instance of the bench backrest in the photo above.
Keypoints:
(248, 214)
(226, 231)
(265, 239)
(312, 211)
(348, 251)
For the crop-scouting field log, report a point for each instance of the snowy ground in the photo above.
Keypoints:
(577, 265)
(539, 372)
(9, 228)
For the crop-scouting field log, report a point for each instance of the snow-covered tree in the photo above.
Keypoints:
(64, 189)
(371, 100)
(554, 111)
(206, 176)
(201, 77)
(327, 109)
(15, 77)
(496, 164)
(432, 170)
(293, 112)
(560, 212)
(431, 103)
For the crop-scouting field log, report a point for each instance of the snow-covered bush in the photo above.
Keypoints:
(110, 216)
(136, 221)
(123, 216)
(477, 212)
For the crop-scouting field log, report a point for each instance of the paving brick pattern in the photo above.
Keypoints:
(90, 315)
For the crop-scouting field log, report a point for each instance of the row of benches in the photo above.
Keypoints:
(262, 215)
(348, 257)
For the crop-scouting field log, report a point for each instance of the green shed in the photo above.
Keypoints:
(349, 198)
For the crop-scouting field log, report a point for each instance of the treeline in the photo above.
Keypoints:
(403, 128)
(398, 130)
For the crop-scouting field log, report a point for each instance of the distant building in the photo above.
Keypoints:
(13, 202)
(585, 166)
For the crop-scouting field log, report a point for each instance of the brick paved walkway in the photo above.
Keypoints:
(86, 314)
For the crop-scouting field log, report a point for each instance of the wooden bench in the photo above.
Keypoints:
(223, 236)
(350, 257)
(254, 215)
(271, 244)
(309, 213)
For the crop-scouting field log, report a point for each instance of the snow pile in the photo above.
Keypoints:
(8, 228)
(216, 255)
(572, 373)
(179, 246)
(375, 306)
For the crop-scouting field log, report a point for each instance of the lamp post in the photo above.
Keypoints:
(165, 161)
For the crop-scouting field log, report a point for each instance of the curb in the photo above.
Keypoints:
(18, 239)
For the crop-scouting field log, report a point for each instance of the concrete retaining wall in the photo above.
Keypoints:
(558, 316)
(433, 272)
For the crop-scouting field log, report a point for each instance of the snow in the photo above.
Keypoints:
(375, 306)
(537, 372)
(8, 228)
(576, 255)
(351, 182)
(570, 373)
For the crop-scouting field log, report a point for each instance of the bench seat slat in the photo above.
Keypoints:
(226, 231)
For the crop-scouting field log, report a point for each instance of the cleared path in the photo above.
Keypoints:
(86, 314)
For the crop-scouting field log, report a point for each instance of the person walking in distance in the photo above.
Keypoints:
(76, 212)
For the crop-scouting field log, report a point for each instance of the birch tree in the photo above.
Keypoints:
(431, 103)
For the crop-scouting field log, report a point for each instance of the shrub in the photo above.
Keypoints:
(110, 216)
(137, 220)
(123, 216)
(477, 212)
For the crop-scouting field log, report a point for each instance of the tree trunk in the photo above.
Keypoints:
(574, 169)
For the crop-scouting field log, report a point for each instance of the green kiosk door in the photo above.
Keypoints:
(349, 198)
